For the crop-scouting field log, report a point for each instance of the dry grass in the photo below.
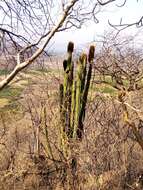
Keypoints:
(108, 157)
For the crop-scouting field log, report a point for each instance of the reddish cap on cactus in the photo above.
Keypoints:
(91, 53)
(65, 64)
(70, 47)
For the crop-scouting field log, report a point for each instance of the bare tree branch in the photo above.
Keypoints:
(48, 37)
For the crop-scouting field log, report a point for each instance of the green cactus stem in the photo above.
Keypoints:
(61, 92)
(85, 93)
(73, 103)
(84, 71)
(79, 81)
(67, 89)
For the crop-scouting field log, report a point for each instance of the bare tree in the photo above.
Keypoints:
(121, 67)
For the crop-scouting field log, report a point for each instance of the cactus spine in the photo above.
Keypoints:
(74, 92)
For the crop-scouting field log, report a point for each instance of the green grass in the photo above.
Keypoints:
(104, 88)
(43, 70)
(12, 106)
(9, 96)
(37, 71)
(10, 93)
(108, 90)
(3, 72)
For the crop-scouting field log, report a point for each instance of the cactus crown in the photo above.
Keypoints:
(70, 47)
(91, 53)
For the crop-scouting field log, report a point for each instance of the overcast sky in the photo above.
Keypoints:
(131, 12)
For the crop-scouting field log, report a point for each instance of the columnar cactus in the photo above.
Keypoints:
(80, 83)
(67, 87)
(74, 91)
(86, 90)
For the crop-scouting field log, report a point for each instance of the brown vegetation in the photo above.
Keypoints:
(110, 153)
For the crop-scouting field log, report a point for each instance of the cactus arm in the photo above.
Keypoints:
(89, 74)
(85, 93)
(67, 89)
(84, 71)
(78, 97)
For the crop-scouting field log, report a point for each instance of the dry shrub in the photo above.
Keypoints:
(108, 157)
